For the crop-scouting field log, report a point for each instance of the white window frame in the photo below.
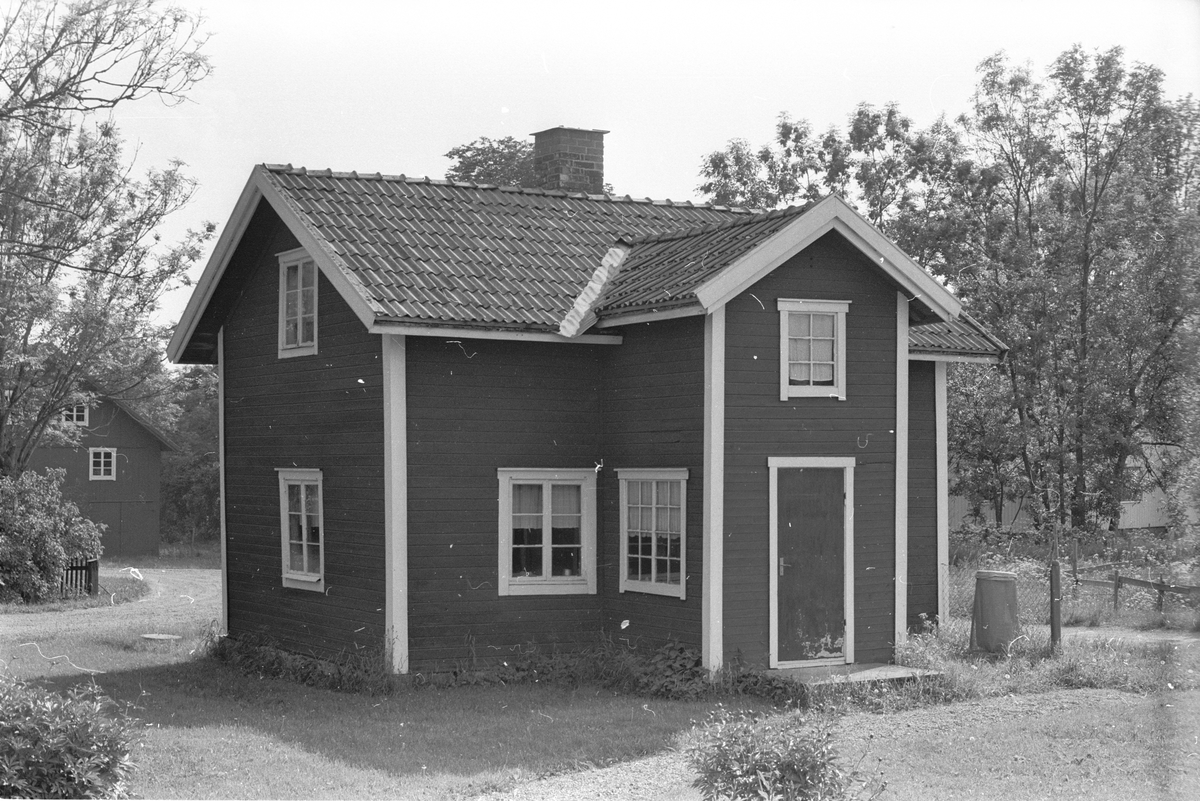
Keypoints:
(680, 476)
(111, 454)
(70, 415)
(297, 258)
(301, 476)
(839, 308)
(546, 584)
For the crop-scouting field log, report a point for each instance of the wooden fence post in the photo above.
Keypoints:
(93, 577)
(1116, 590)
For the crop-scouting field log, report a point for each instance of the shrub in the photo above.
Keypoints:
(53, 746)
(740, 756)
(40, 532)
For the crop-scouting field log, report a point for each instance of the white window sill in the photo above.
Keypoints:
(576, 586)
(653, 588)
(303, 582)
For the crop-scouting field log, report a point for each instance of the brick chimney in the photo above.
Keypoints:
(570, 159)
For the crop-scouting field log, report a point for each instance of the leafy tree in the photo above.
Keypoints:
(191, 477)
(81, 265)
(503, 162)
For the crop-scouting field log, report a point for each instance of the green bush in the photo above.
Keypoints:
(740, 756)
(40, 533)
(53, 746)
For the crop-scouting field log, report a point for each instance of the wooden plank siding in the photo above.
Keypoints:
(321, 411)
(475, 406)
(654, 417)
(922, 495)
(759, 425)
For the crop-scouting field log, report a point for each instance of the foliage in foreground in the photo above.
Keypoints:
(54, 746)
(744, 756)
(40, 532)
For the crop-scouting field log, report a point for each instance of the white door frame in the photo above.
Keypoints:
(846, 464)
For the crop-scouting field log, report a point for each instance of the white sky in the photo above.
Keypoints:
(391, 86)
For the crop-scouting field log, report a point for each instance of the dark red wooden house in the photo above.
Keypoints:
(113, 474)
(461, 420)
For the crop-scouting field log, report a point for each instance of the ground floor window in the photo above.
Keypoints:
(547, 531)
(654, 531)
(302, 529)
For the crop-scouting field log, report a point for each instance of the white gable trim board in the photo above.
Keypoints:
(830, 214)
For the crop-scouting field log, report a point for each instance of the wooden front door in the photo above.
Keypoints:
(811, 554)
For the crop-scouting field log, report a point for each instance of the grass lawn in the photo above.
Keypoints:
(213, 733)
(1070, 744)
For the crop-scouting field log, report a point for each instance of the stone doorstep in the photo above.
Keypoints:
(858, 672)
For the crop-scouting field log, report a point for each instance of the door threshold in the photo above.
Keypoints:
(855, 672)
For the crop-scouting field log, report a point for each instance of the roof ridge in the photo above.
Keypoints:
(288, 169)
(752, 216)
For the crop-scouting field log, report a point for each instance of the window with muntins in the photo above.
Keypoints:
(654, 531)
(301, 522)
(77, 414)
(812, 349)
(103, 464)
(297, 304)
(547, 531)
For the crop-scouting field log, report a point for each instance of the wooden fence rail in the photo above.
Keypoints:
(1161, 587)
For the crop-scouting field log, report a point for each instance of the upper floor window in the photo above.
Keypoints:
(812, 348)
(547, 531)
(302, 524)
(77, 414)
(103, 464)
(654, 531)
(297, 304)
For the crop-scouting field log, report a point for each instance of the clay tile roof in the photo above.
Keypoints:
(961, 337)
(663, 270)
(430, 251)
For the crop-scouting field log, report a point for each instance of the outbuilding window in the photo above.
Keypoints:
(302, 529)
(103, 464)
(547, 531)
(77, 414)
(654, 531)
(812, 348)
(297, 304)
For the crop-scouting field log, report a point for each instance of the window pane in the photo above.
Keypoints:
(822, 350)
(527, 499)
(798, 324)
(311, 496)
(565, 533)
(294, 491)
(289, 333)
(292, 280)
(314, 530)
(675, 520)
(565, 561)
(314, 559)
(798, 374)
(527, 529)
(565, 499)
(309, 271)
(634, 492)
(308, 332)
(634, 564)
(296, 557)
(676, 486)
(823, 374)
(291, 307)
(307, 301)
(799, 350)
(527, 561)
(822, 325)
